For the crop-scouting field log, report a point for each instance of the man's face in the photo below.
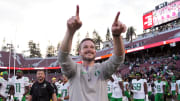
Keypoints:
(54, 81)
(159, 79)
(138, 77)
(87, 51)
(5, 76)
(19, 74)
(40, 76)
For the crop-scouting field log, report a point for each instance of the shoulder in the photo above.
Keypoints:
(34, 85)
(178, 81)
(134, 80)
(56, 83)
(67, 84)
(164, 83)
(13, 78)
(46, 82)
(145, 80)
(1, 79)
(25, 78)
(119, 79)
(125, 83)
(109, 82)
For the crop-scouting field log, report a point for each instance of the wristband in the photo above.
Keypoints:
(115, 35)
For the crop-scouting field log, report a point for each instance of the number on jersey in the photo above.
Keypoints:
(137, 86)
(18, 87)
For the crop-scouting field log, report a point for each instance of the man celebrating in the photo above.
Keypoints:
(89, 78)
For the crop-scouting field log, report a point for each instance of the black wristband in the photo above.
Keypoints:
(116, 35)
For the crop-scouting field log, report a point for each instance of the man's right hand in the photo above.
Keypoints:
(74, 23)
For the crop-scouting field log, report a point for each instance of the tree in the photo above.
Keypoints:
(50, 51)
(97, 39)
(130, 33)
(108, 37)
(58, 46)
(4, 46)
(34, 49)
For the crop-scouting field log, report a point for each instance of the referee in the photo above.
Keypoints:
(42, 90)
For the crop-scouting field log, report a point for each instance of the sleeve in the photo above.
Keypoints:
(26, 81)
(51, 89)
(111, 65)
(1, 80)
(11, 81)
(119, 79)
(68, 66)
(55, 87)
(177, 82)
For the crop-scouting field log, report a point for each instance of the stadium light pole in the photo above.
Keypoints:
(10, 47)
(14, 61)
(15, 49)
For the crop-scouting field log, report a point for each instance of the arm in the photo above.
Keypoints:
(0, 94)
(26, 90)
(163, 88)
(73, 24)
(117, 29)
(67, 64)
(2, 97)
(127, 87)
(30, 98)
(177, 88)
(54, 98)
(169, 86)
(51, 90)
(145, 88)
(11, 90)
(122, 87)
(31, 93)
(110, 66)
(67, 97)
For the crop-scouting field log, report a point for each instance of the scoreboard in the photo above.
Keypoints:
(162, 14)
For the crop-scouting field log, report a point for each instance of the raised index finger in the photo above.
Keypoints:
(117, 16)
(77, 11)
